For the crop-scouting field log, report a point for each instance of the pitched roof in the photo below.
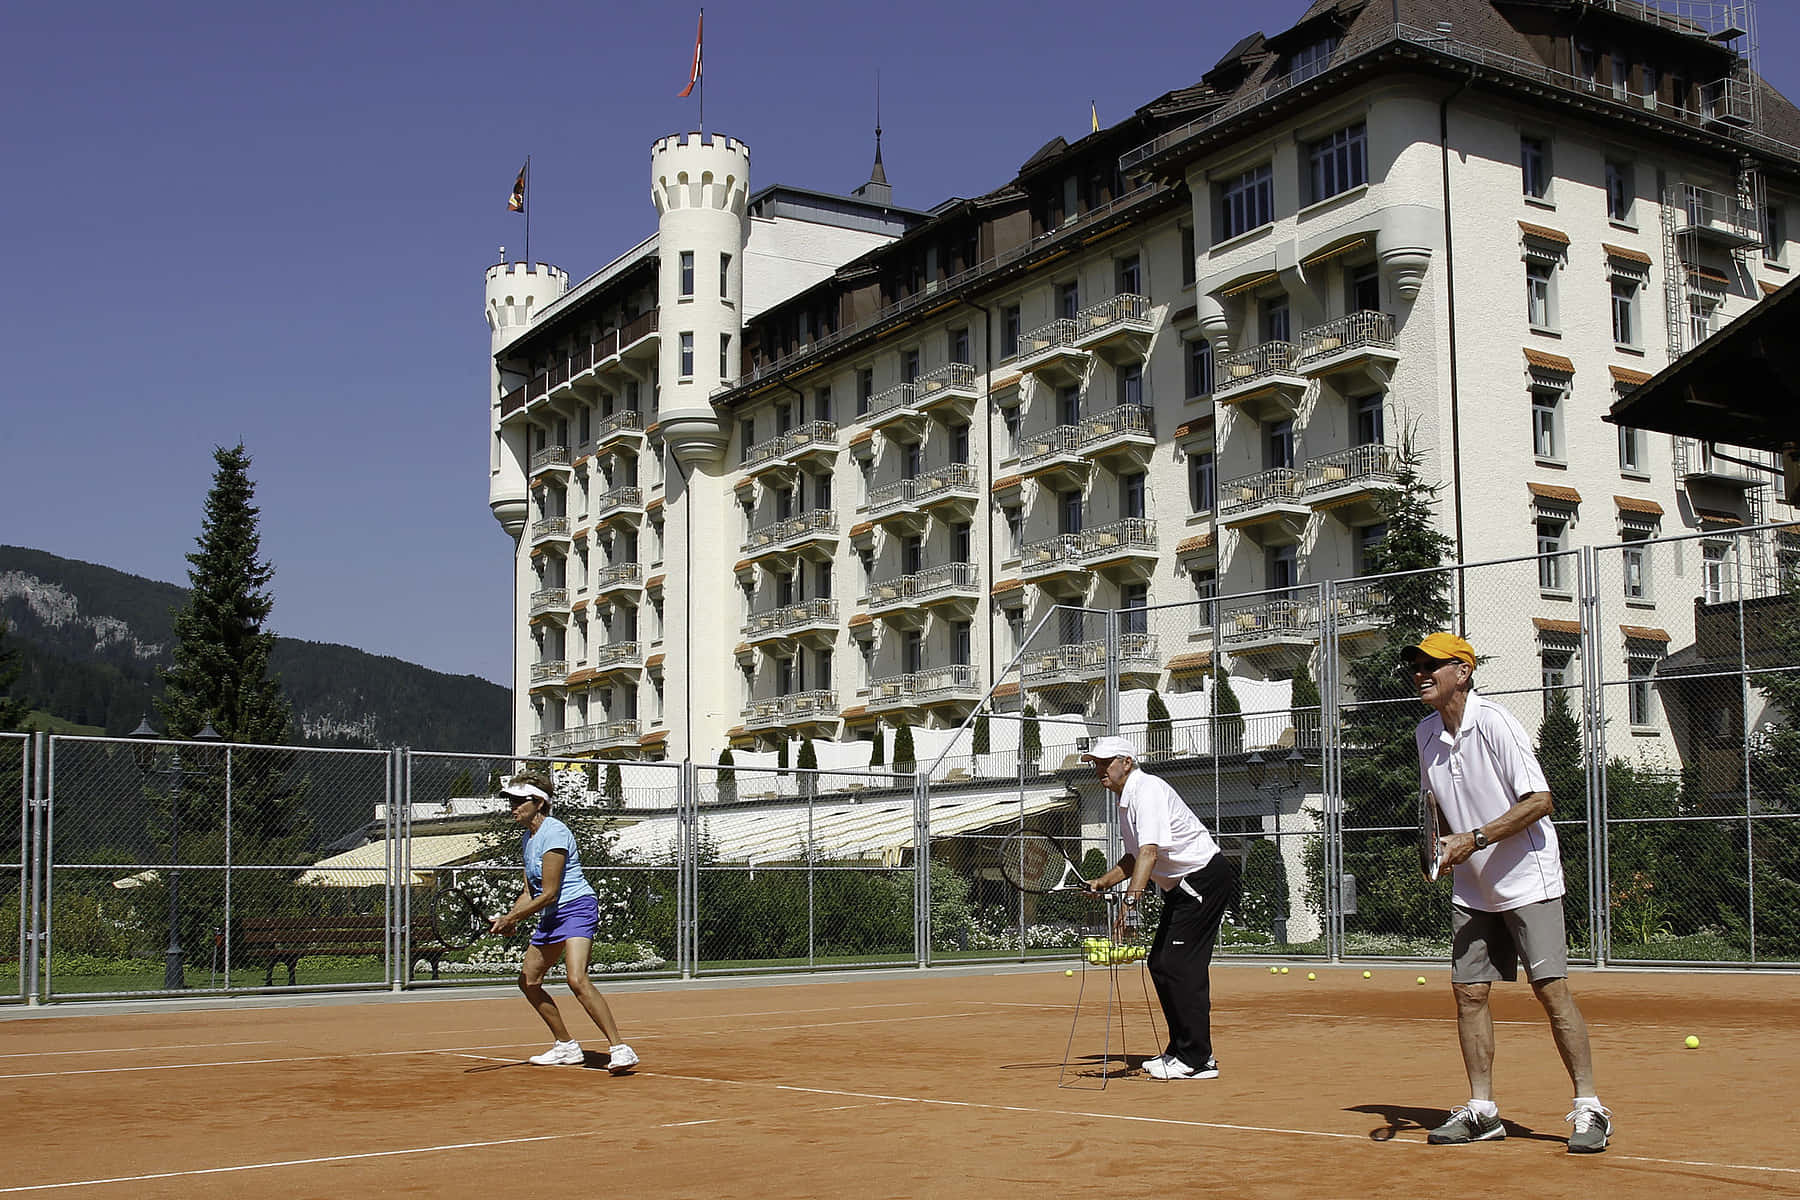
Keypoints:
(1544, 361)
(1551, 491)
(1633, 504)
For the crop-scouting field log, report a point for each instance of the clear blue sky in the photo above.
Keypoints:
(270, 223)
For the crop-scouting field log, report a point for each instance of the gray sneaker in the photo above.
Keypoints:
(1593, 1125)
(1466, 1125)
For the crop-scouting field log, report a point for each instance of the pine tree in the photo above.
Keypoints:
(1161, 730)
(615, 786)
(1559, 751)
(877, 755)
(13, 708)
(1031, 739)
(903, 748)
(1381, 763)
(1228, 725)
(727, 776)
(1775, 775)
(978, 740)
(808, 763)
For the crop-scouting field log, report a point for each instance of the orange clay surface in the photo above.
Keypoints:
(902, 1085)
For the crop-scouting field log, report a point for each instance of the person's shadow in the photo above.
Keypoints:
(1398, 1119)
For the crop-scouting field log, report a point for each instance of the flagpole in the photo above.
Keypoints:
(703, 84)
(529, 196)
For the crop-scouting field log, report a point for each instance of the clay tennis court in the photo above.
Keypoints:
(903, 1085)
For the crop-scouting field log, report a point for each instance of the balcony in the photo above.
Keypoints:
(624, 577)
(1050, 352)
(552, 532)
(1122, 433)
(616, 658)
(550, 603)
(1281, 626)
(952, 686)
(783, 454)
(621, 506)
(812, 533)
(1054, 564)
(1714, 219)
(1359, 346)
(891, 693)
(903, 600)
(1269, 506)
(897, 504)
(1054, 457)
(1118, 329)
(607, 735)
(896, 413)
(549, 673)
(815, 707)
(951, 490)
(1264, 381)
(1122, 550)
(1361, 608)
(810, 620)
(551, 459)
(949, 389)
(622, 431)
(1084, 663)
(894, 601)
(1699, 463)
(637, 338)
(1354, 484)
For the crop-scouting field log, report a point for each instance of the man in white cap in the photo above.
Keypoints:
(1164, 841)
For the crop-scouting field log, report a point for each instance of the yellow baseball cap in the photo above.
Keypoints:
(1444, 646)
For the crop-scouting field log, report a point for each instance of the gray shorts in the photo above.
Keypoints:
(1488, 946)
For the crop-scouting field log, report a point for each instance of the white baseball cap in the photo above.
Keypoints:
(1110, 747)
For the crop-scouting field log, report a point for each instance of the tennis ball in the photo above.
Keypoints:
(1070, 972)
(1284, 970)
(1421, 981)
(1310, 975)
(1693, 1043)
(1368, 975)
(1274, 970)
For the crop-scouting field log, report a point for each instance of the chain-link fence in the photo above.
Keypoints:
(1658, 680)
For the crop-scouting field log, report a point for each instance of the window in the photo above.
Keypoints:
(784, 418)
(1068, 405)
(1701, 313)
(914, 461)
(1640, 667)
(1311, 59)
(1624, 310)
(1337, 163)
(1553, 673)
(1128, 276)
(1540, 285)
(724, 356)
(724, 276)
(822, 491)
(1649, 80)
(1068, 512)
(962, 542)
(1632, 453)
(687, 274)
(1131, 385)
(1134, 598)
(865, 388)
(746, 439)
(962, 642)
(1278, 450)
(1199, 368)
(912, 652)
(1202, 482)
(1619, 191)
(1552, 541)
(959, 345)
(1015, 531)
(1276, 323)
(1368, 541)
(1009, 331)
(1245, 203)
(1712, 572)
(1546, 423)
(1283, 566)
(1010, 418)
(1635, 555)
(865, 670)
(822, 404)
(1131, 495)
(1364, 288)
(1189, 256)
(1534, 167)
(912, 554)
(1206, 594)
(1370, 422)
(687, 356)
(1774, 233)
(959, 444)
(822, 580)
(909, 366)
(1621, 75)
(1587, 64)
(1068, 299)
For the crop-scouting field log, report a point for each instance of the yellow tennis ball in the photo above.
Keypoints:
(1274, 970)
(1310, 975)
(1692, 1043)
(1368, 975)
(1069, 972)
(1421, 980)
(1284, 970)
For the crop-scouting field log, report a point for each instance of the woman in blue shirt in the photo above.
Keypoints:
(568, 918)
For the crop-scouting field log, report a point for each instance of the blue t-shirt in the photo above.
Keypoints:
(554, 835)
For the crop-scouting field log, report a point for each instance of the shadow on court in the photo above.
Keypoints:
(1400, 1119)
(1093, 1066)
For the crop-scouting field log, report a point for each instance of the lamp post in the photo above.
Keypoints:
(1277, 779)
(174, 979)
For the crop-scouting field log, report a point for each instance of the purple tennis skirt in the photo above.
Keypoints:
(577, 918)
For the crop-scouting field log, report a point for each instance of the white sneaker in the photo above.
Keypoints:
(1169, 1067)
(560, 1054)
(621, 1058)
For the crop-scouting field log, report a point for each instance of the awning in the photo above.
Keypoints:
(366, 866)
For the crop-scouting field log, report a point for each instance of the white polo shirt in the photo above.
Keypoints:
(1151, 813)
(1476, 776)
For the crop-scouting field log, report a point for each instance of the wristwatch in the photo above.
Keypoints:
(1130, 900)
(1481, 838)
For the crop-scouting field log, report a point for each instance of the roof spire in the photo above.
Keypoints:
(877, 188)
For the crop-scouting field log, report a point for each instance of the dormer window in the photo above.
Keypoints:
(1311, 59)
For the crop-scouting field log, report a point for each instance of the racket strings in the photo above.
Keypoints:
(1033, 862)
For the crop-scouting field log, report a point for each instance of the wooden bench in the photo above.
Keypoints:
(286, 940)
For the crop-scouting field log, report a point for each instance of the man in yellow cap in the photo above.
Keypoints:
(1507, 902)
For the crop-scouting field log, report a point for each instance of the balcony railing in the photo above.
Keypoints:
(1273, 486)
(627, 420)
(1352, 331)
(614, 654)
(899, 396)
(1116, 537)
(1051, 554)
(1258, 362)
(549, 600)
(952, 477)
(811, 434)
(815, 520)
(1087, 660)
(1125, 420)
(549, 456)
(951, 378)
(792, 616)
(1123, 309)
(1271, 620)
(551, 670)
(550, 527)
(1054, 335)
(636, 330)
(623, 574)
(897, 494)
(617, 499)
(784, 710)
(945, 577)
(1051, 443)
(602, 736)
(937, 682)
(1362, 604)
(1707, 212)
(1355, 465)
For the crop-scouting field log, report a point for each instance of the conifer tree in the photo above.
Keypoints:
(1031, 739)
(615, 786)
(1161, 729)
(903, 748)
(13, 708)
(979, 738)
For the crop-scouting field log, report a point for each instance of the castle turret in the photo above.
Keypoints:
(515, 294)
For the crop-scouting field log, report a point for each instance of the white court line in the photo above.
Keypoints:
(263, 1062)
(136, 1049)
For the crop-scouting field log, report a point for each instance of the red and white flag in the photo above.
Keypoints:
(516, 201)
(694, 75)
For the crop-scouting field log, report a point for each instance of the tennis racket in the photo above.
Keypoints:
(1431, 838)
(1034, 862)
(454, 919)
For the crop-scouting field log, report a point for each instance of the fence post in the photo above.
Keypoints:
(1593, 755)
(686, 873)
(921, 868)
(1330, 782)
(37, 793)
(1109, 699)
